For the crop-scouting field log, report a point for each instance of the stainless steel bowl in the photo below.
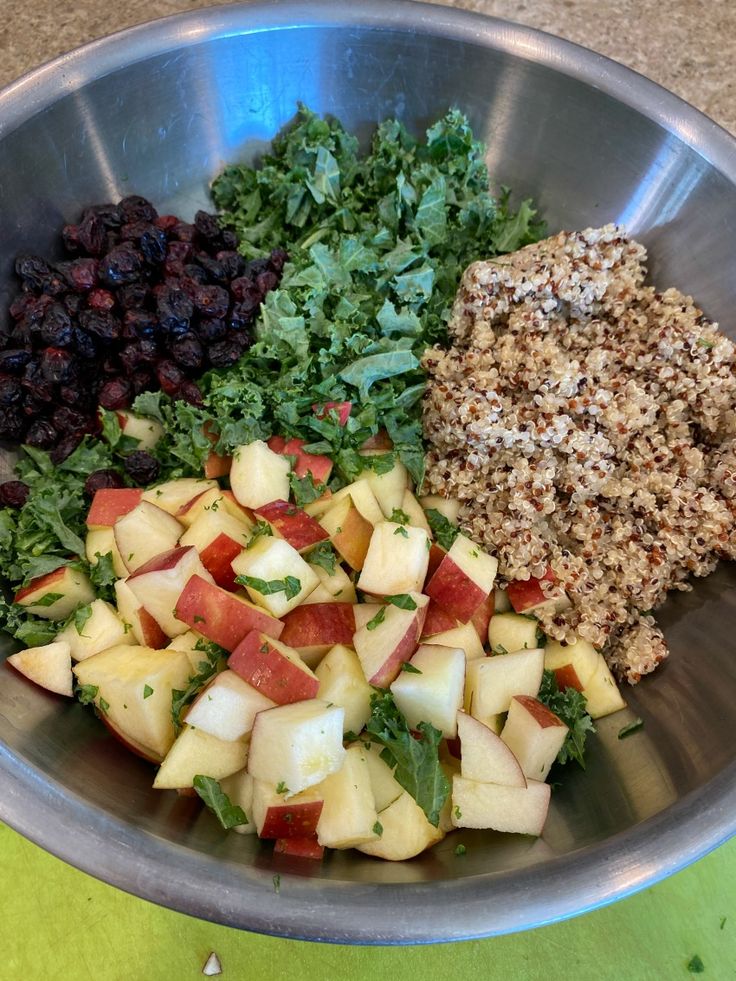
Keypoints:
(158, 110)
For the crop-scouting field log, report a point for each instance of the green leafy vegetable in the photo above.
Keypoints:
(181, 698)
(399, 517)
(80, 617)
(228, 814)
(49, 599)
(290, 585)
(570, 707)
(303, 489)
(102, 576)
(281, 788)
(261, 529)
(443, 530)
(378, 829)
(409, 668)
(324, 556)
(416, 760)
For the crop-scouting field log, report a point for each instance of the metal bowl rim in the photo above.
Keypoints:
(318, 909)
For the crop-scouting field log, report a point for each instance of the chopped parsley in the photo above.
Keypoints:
(228, 814)
(87, 693)
(409, 668)
(290, 585)
(281, 788)
(49, 599)
(402, 600)
(182, 698)
(147, 691)
(378, 829)
(570, 707)
(401, 530)
(627, 730)
(81, 615)
(443, 530)
(695, 965)
(399, 517)
(324, 556)
(103, 705)
(261, 529)
(460, 849)
(303, 489)
(377, 619)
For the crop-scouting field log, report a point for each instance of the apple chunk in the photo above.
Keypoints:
(389, 487)
(147, 431)
(298, 745)
(510, 632)
(57, 594)
(573, 664)
(292, 523)
(101, 541)
(277, 815)
(227, 707)
(527, 595)
(49, 666)
(275, 575)
(221, 616)
(160, 582)
(103, 628)
(312, 629)
(172, 495)
(342, 682)
(196, 752)
(405, 831)
(534, 734)
(431, 689)
(219, 538)
(111, 503)
(350, 532)
(484, 757)
(144, 532)
(274, 669)
(348, 816)
(134, 686)
(130, 609)
(519, 810)
(463, 580)
(601, 692)
(491, 682)
(258, 475)
(396, 560)
(334, 587)
(389, 639)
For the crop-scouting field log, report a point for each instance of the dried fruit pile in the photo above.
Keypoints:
(144, 302)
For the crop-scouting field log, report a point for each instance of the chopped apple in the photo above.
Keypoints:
(437, 620)
(501, 601)
(217, 464)
(57, 594)
(463, 636)
(219, 538)
(405, 831)
(527, 595)
(519, 810)
(389, 487)
(573, 664)
(134, 686)
(601, 692)
(534, 734)
(431, 689)
(313, 629)
(239, 789)
(341, 409)
(147, 431)
(349, 531)
(481, 619)
(111, 503)
(463, 580)
(49, 666)
(491, 682)
(101, 542)
(297, 745)
(386, 788)
(396, 560)
(145, 629)
(144, 532)
(365, 612)
(258, 475)
(484, 756)
(415, 512)
(334, 587)
(316, 464)
(172, 495)
(510, 632)
(274, 669)
(192, 644)
(342, 682)
(227, 707)
(237, 510)
(220, 616)
(307, 847)
(384, 644)
(363, 498)
(159, 584)
(196, 753)
(449, 509)
(103, 628)
(279, 813)
(348, 816)
(436, 555)
(273, 562)
(206, 501)
(293, 524)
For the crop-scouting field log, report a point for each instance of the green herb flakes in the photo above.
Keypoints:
(228, 814)
(632, 727)
(291, 586)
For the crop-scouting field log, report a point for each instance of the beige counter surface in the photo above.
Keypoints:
(689, 46)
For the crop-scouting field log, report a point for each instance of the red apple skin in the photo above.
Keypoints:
(217, 466)
(381, 441)
(543, 716)
(524, 594)
(152, 633)
(436, 555)
(294, 524)
(163, 561)
(217, 558)
(389, 670)
(130, 744)
(41, 584)
(112, 503)
(454, 748)
(482, 617)
(299, 848)
(319, 623)
(266, 669)
(319, 466)
(342, 409)
(276, 443)
(219, 616)
(567, 677)
(437, 620)
(292, 820)
(453, 591)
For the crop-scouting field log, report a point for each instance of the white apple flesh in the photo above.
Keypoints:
(518, 810)
(49, 666)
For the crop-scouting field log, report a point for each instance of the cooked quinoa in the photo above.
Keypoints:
(586, 422)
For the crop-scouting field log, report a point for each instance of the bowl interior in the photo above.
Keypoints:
(158, 113)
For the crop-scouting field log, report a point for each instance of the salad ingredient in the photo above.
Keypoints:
(212, 966)
(585, 422)
(521, 810)
(630, 728)
(143, 302)
(571, 707)
(485, 757)
(49, 666)
(534, 734)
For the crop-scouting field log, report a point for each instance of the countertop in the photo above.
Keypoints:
(56, 922)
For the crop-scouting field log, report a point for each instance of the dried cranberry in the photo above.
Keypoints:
(100, 299)
(120, 266)
(68, 420)
(65, 447)
(81, 274)
(92, 234)
(115, 394)
(11, 391)
(102, 480)
(133, 296)
(14, 494)
(136, 208)
(101, 324)
(207, 227)
(56, 364)
(170, 377)
(214, 269)
(84, 345)
(36, 383)
(141, 322)
(72, 303)
(232, 263)
(153, 244)
(32, 407)
(278, 259)
(141, 467)
(224, 353)
(142, 381)
(267, 281)
(56, 329)
(22, 334)
(174, 309)
(173, 267)
(179, 250)
(211, 301)
(254, 267)
(167, 222)
(13, 360)
(190, 392)
(229, 239)
(195, 274)
(246, 291)
(70, 238)
(34, 271)
(183, 231)
(212, 330)
(109, 214)
(187, 351)
(41, 434)
(12, 423)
